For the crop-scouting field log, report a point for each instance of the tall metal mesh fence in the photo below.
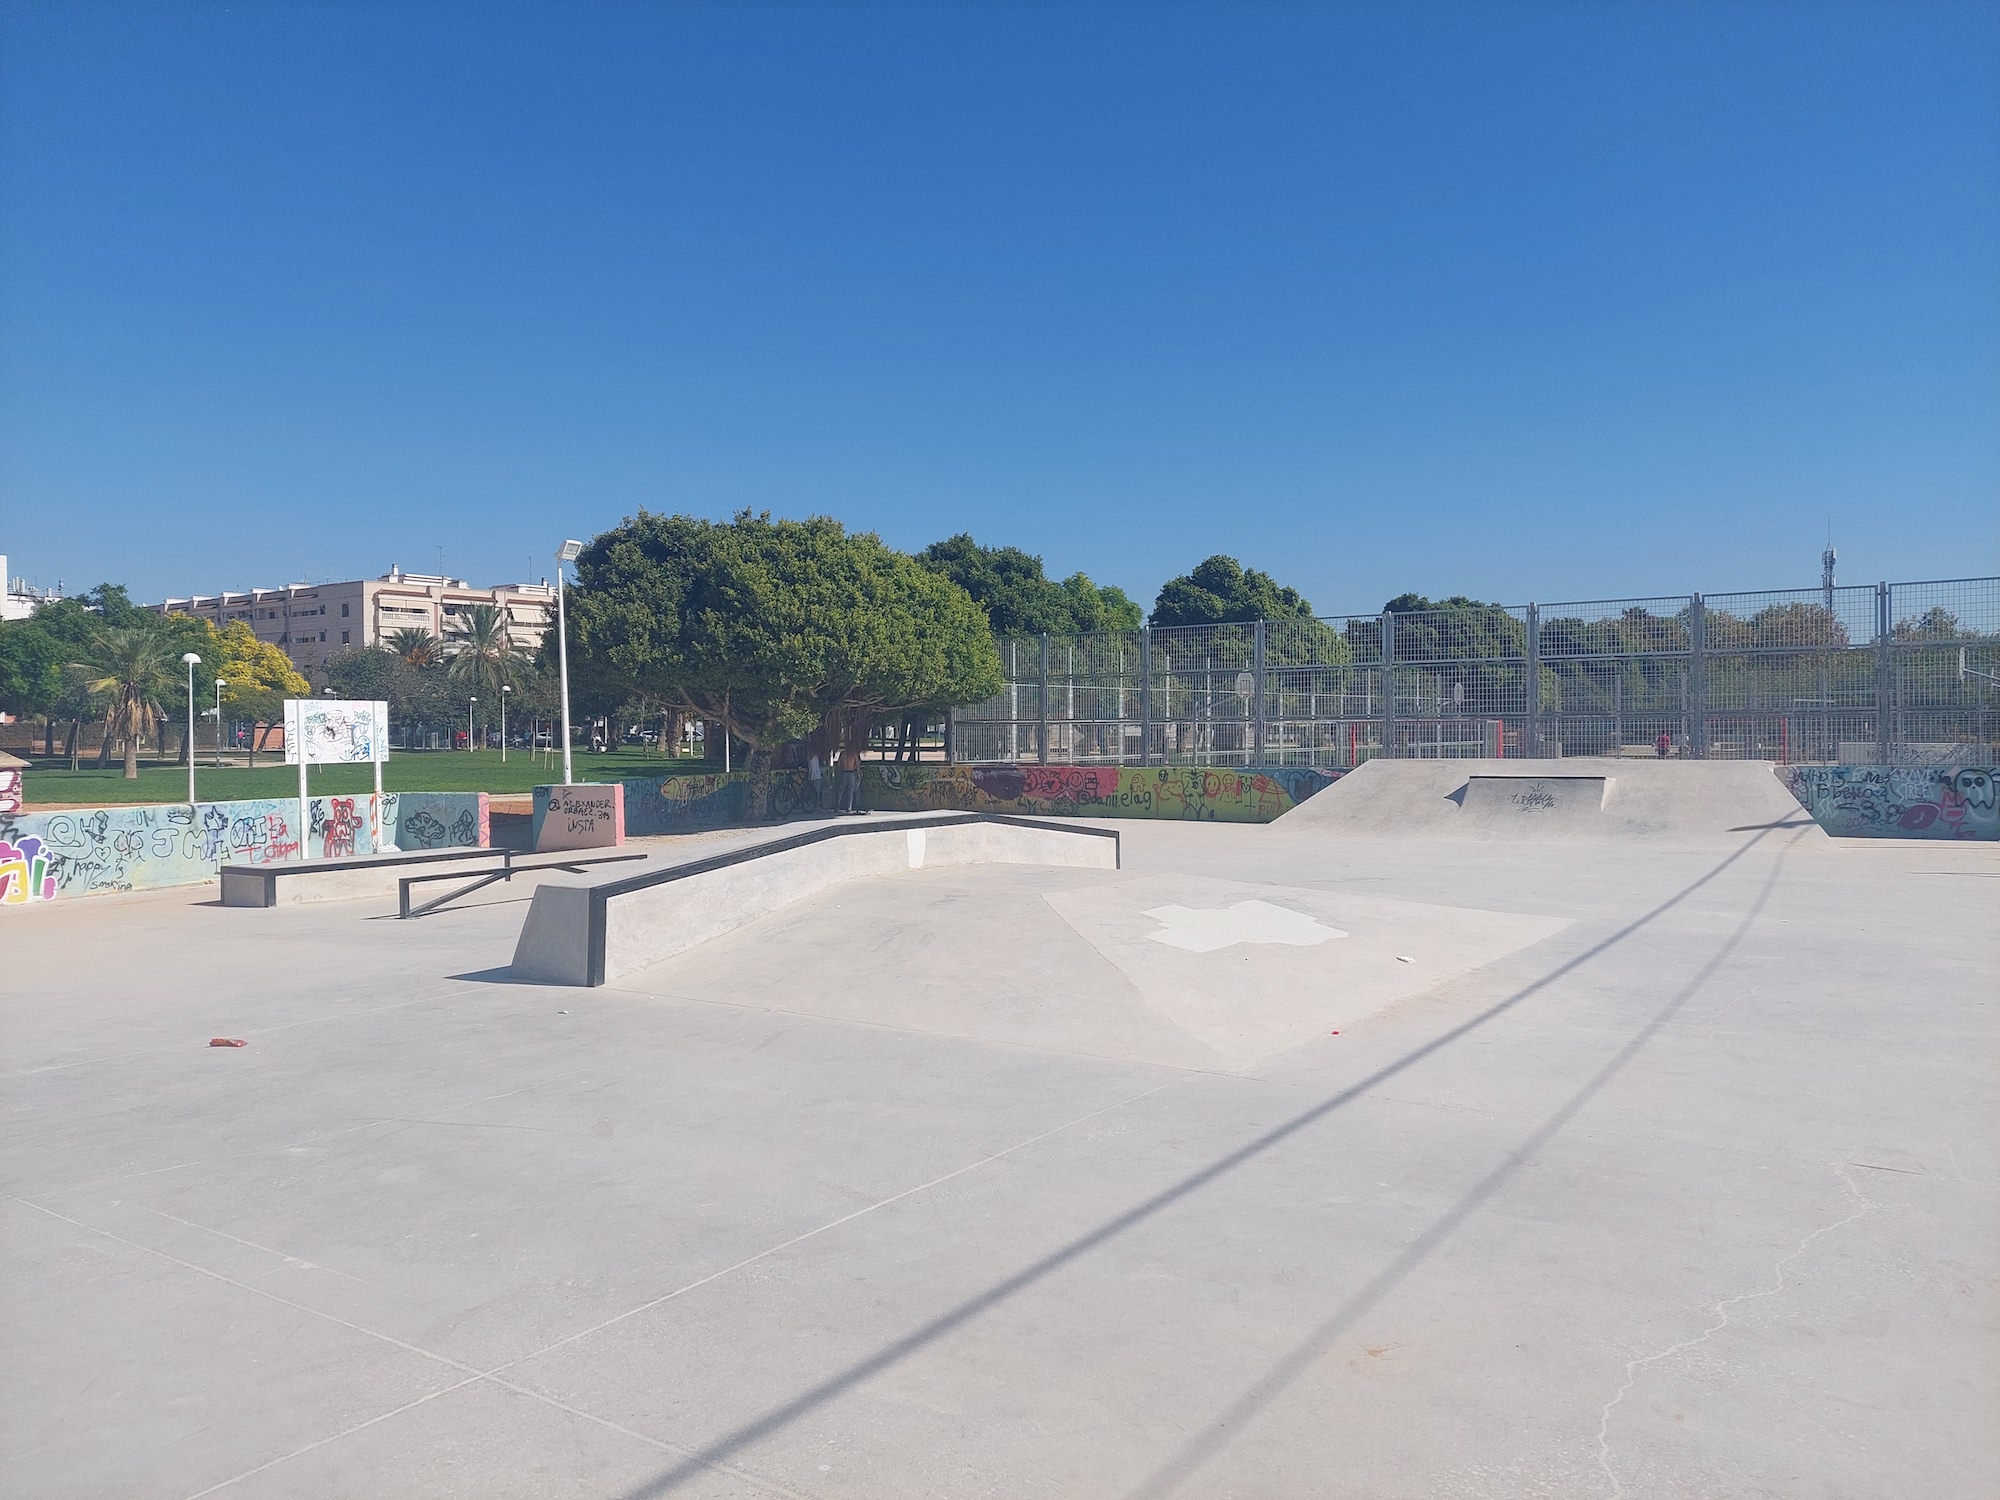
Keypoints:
(1862, 674)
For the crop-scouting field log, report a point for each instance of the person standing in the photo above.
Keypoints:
(850, 778)
(1664, 745)
(816, 774)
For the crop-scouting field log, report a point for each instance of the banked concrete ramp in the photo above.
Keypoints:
(1553, 801)
(593, 932)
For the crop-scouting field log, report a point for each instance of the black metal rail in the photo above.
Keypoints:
(507, 871)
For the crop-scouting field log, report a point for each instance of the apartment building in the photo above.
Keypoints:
(313, 622)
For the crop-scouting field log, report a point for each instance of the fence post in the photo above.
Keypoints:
(1145, 695)
(1697, 678)
(1257, 675)
(1042, 706)
(1885, 679)
(1534, 735)
(1388, 683)
(950, 736)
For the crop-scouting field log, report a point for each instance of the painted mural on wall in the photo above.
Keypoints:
(1899, 802)
(92, 850)
(24, 873)
(684, 804)
(1196, 793)
(436, 820)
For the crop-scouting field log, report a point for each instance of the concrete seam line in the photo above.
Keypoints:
(848, 1218)
(472, 1374)
(807, 1015)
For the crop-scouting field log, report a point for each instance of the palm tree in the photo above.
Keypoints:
(415, 645)
(134, 668)
(482, 652)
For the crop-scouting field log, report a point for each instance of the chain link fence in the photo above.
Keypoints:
(1875, 674)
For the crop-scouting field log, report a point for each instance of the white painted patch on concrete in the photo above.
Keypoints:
(1201, 931)
(916, 838)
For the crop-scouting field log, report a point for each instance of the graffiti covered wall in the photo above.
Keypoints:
(437, 820)
(1898, 802)
(92, 850)
(1198, 793)
(683, 804)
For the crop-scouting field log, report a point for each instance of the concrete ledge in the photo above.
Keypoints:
(334, 879)
(594, 932)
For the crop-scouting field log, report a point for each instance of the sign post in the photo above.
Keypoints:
(336, 732)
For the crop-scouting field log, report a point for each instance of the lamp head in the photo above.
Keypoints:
(191, 659)
(569, 551)
(222, 682)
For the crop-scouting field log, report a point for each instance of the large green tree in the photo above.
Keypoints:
(773, 628)
(1020, 598)
(1221, 591)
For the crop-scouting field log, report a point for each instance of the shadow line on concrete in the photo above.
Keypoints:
(1169, 1476)
(782, 1416)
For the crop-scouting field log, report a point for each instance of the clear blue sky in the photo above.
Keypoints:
(1520, 301)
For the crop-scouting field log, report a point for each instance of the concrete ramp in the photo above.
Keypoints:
(600, 929)
(1540, 801)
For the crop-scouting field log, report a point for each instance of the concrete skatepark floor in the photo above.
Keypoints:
(1629, 1172)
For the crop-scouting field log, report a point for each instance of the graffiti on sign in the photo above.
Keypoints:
(10, 788)
(585, 816)
(335, 732)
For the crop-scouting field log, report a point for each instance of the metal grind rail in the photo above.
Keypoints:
(507, 871)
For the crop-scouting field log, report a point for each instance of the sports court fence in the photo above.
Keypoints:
(1885, 673)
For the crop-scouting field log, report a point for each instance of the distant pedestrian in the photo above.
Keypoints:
(850, 779)
(816, 774)
(1664, 745)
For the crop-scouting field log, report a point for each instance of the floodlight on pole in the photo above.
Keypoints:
(192, 661)
(566, 554)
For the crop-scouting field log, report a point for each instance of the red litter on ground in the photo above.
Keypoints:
(227, 1041)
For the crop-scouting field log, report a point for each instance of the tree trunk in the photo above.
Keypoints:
(104, 745)
(132, 757)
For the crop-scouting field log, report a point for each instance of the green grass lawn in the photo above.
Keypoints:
(407, 771)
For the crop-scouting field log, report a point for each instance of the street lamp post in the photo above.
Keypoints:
(469, 704)
(504, 691)
(192, 661)
(220, 684)
(566, 554)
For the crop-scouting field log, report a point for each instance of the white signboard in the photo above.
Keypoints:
(335, 732)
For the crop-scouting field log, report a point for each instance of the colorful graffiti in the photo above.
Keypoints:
(143, 848)
(1196, 793)
(10, 788)
(338, 833)
(24, 873)
(1899, 802)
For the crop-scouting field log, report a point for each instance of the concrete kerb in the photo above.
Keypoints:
(596, 931)
(333, 879)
